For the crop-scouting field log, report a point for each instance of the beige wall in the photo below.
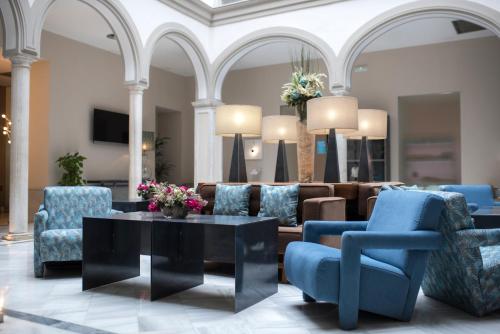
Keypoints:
(83, 77)
(470, 67)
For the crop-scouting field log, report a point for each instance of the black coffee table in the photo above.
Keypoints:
(111, 253)
(487, 217)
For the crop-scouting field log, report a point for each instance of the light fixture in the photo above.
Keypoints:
(372, 125)
(238, 121)
(331, 115)
(7, 128)
(278, 129)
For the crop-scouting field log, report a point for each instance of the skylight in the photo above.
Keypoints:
(220, 3)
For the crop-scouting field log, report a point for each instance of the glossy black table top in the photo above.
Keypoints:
(487, 217)
(191, 219)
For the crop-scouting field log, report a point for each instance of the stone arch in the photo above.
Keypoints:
(191, 46)
(113, 12)
(456, 9)
(254, 40)
(13, 19)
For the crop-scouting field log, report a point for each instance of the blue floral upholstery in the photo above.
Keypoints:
(476, 195)
(280, 202)
(232, 200)
(466, 272)
(58, 223)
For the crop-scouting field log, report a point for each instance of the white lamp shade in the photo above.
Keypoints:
(332, 112)
(279, 127)
(372, 123)
(242, 119)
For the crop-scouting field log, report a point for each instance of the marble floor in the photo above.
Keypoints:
(56, 304)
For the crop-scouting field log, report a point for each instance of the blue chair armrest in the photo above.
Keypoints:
(472, 207)
(314, 229)
(115, 212)
(478, 238)
(40, 224)
(350, 262)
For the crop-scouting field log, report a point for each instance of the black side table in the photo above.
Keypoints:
(487, 217)
(135, 205)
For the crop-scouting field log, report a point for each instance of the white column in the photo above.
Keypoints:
(135, 139)
(19, 148)
(207, 146)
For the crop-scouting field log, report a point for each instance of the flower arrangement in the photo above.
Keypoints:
(305, 84)
(175, 201)
(146, 190)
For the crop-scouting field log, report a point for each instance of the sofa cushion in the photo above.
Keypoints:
(316, 269)
(306, 191)
(61, 245)
(280, 202)
(232, 200)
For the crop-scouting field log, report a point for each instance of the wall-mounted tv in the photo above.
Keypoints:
(110, 127)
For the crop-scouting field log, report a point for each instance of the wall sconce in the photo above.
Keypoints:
(148, 141)
(253, 149)
(7, 128)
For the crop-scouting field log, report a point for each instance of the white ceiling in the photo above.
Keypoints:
(169, 56)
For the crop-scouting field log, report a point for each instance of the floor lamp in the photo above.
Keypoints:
(280, 129)
(238, 121)
(372, 124)
(332, 115)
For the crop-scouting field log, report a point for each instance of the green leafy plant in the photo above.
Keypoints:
(162, 168)
(72, 164)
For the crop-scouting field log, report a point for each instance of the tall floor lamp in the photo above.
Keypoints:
(332, 115)
(278, 129)
(372, 124)
(238, 121)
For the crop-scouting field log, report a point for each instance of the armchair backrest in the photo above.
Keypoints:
(67, 205)
(404, 211)
(481, 194)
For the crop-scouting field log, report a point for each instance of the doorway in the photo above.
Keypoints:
(429, 139)
(168, 153)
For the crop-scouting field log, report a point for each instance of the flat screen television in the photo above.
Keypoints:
(110, 127)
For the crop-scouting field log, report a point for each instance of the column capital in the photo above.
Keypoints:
(339, 90)
(22, 60)
(207, 103)
(136, 88)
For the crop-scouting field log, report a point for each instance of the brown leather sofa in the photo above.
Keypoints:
(316, 202)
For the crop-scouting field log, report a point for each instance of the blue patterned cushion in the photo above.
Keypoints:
(232, 200)
(61, 245)
(491, 256)
(280, 202)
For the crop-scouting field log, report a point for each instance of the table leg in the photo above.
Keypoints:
(176, 257)
(256, 263)
(111, 251)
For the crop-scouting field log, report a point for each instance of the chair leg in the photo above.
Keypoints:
(348, 317)
(39, 269)
(307, 298)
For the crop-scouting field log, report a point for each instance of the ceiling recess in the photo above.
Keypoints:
(463, 27)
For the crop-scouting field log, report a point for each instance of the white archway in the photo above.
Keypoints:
(259, 38)
(190, 44)
(454, 9)
(118, 20)
(15, 30)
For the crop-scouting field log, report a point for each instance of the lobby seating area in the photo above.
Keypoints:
(249, 166)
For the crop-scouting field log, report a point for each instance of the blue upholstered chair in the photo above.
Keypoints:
(465, 273)
(382, 261)
(58, 223)
(476, 195)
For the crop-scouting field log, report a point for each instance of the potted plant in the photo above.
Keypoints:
(303, 86)
(174, 201)
(72, 164)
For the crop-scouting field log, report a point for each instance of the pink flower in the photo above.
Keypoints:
(153, 207)
(142, 187)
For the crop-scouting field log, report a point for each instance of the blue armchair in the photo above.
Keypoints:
(465, 273)
(476, 195)
(58, 223)
(382, 261)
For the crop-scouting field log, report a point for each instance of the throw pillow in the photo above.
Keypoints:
(231, 200)
(280, 202)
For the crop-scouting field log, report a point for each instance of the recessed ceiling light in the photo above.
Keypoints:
(111, 36)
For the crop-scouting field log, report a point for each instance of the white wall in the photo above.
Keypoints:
(83, 77)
